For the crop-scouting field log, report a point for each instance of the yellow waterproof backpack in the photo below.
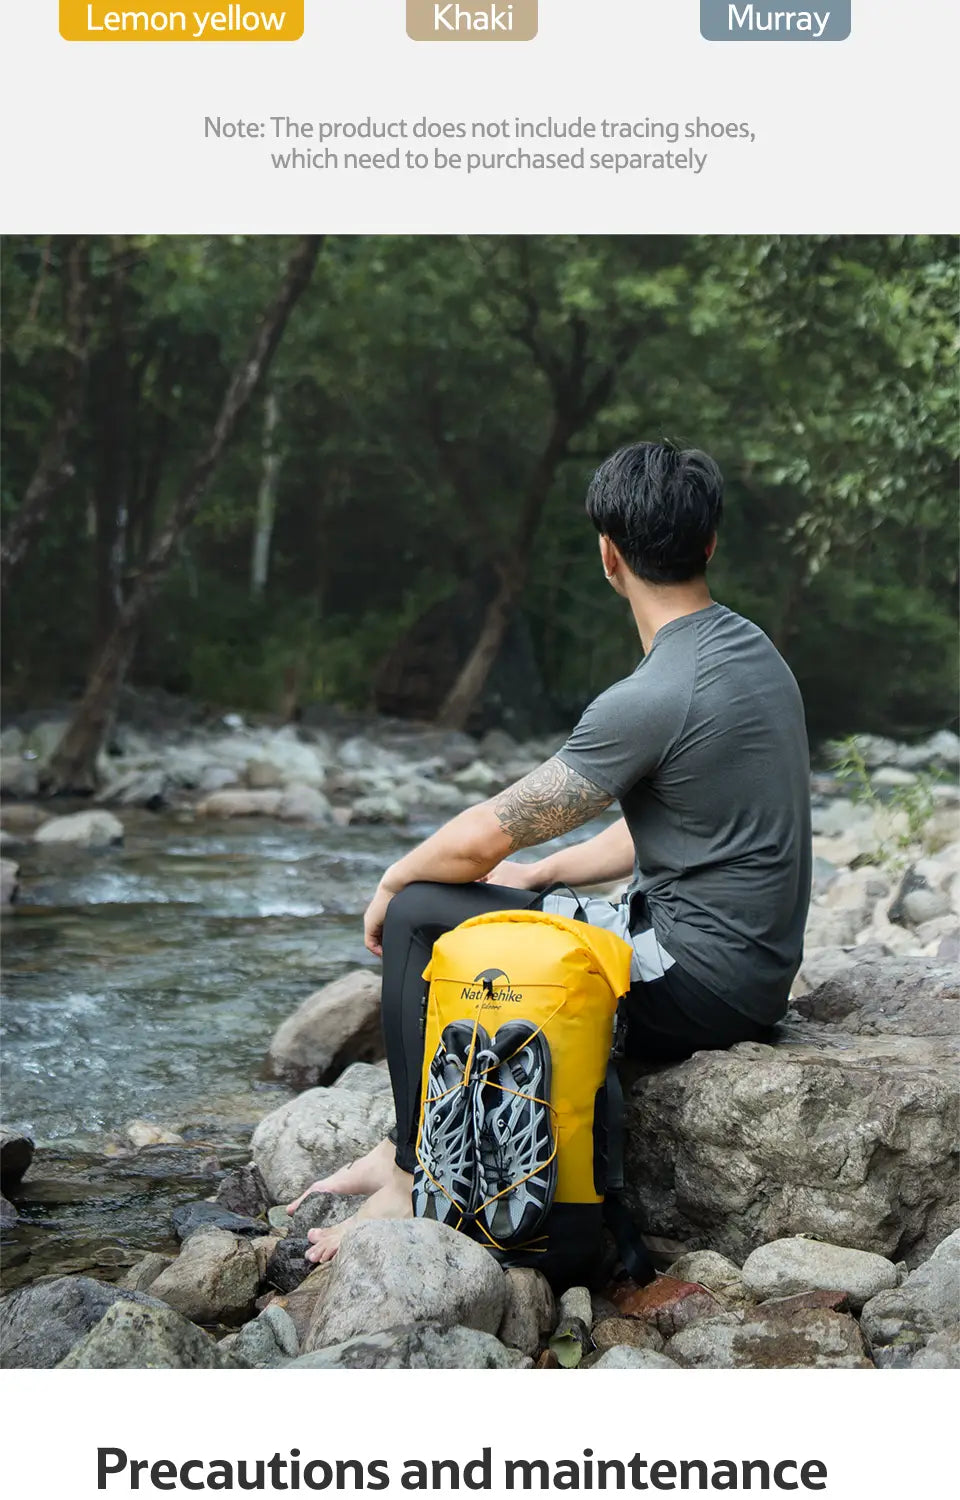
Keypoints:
(519, 1032)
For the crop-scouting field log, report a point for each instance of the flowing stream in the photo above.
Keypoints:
(145, 982)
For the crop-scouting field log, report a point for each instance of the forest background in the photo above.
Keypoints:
(277, 475)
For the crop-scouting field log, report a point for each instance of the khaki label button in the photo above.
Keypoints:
(435, 21)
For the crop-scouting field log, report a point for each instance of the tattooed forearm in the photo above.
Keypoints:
(552, 800)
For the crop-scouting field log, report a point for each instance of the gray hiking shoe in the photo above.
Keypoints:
(445, 1182)
(516, 1156)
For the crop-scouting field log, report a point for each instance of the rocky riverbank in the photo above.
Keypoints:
(800, 1198)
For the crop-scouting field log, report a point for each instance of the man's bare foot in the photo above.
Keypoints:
(393, 1201)
(366, 1175)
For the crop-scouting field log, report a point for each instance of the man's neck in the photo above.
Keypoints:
(654, 606)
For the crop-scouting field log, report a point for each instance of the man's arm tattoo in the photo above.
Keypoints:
(552, 800)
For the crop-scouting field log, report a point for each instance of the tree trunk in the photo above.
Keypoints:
(73, 767)
(266, 499)
(472, 677)
(471, 680)
(53, 466)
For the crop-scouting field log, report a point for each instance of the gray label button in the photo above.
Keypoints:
(729, 21)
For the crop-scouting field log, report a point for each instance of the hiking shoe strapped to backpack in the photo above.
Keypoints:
(516, 1154)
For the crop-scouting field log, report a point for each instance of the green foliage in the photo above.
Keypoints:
(901, 817)
(418, 385)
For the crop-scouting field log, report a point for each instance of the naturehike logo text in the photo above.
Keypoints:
(483, 988)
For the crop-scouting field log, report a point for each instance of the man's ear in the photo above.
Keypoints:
(711, 546)
(613, 565)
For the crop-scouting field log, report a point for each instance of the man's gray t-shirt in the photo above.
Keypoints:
(705, 748)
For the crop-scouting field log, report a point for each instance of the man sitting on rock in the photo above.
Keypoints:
(704, 749)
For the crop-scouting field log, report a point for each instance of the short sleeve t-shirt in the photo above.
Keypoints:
(705, 748)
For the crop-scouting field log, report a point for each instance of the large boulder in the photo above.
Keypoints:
(337, 1025)
(812, 1338)
(419, 1346)
(845, 1130)
(39, 1324)
(317, 1132)
(129, 1337)
(389, 1273)
(214, 1279)
(84, 830)
(900, 1322)
(786, 1267)
(265, 1342)
(895, 996)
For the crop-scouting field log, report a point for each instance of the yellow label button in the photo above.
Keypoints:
(96, 21)
(509, 21)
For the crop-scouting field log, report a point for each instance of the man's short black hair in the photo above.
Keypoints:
(660, 507)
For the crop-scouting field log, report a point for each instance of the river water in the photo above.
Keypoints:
(146, 981)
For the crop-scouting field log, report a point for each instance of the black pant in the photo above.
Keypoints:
(667, 1019)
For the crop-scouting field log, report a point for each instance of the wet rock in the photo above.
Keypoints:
(9, 881)
(266, 1342)
(129, 1337)
(899, 1322)
(145, 1272)
(734, 1149)
(630, 1357)
(288, 1269)
(304, 804)
(39, 1324)
(478, 777)
(382, 808)
(315, 1133)
(816, 1339)
(635, 1333)
(243, 1191)
(421, 1346)
(192, 1218)
(16, 1154)
(940, 1352)
(786, 1267)
(8, 1214)
(321, 1211)
(337, 1025)
(668, 1304)
(715, 1272)
(415, 1271)
(18, 778)
(263, 775)
(530, 1313)
(917, 901)
(83, 830)
(22, 817)
(214, 1279)
(240, 804)
(141, 1133)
